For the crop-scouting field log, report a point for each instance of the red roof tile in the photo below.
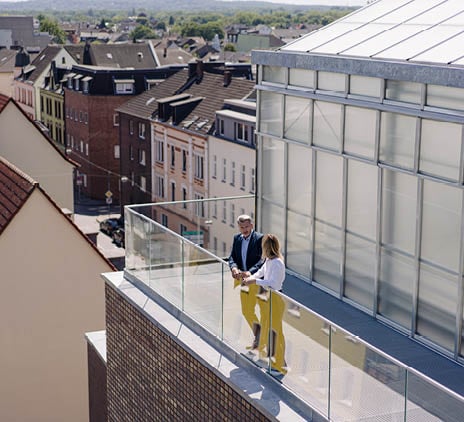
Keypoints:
(3, 100)
(15, 188)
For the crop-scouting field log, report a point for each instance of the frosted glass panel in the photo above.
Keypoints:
(409, 92)
(299, 179)
(302, 77)
(445, 97)
(360, 130)
(329, 177)
(440, 148)
(298, 243)
(360, 270)
(397, 139)
(362, 199)
(297, 118)
(271, 113)
(365, 85)
(441, 224)
(327, 125)
(438, 292)
(399, 193)
(274, 74)
(397, 274)
(327, 256)
(273, 221)
(330, 81)
(273, 187)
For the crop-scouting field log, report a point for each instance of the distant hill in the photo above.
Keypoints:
(151, 5)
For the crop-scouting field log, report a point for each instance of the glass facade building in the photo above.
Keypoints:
(361, 172)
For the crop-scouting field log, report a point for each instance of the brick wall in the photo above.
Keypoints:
(152, 378)
(97, 386)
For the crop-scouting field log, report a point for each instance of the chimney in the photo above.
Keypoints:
(165, 52)
(199, 70)
(227, 77)
(140, 56)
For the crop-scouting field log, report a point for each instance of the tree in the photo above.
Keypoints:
(141, 32)
(51, 26)
(230, 47)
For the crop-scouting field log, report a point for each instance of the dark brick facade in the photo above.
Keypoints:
(97, 386)
(151, 377)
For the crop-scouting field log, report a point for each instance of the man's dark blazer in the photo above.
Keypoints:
(254, 258)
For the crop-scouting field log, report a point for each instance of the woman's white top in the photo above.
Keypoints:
(271, 274)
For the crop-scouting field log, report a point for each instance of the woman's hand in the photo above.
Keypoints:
(249, 280)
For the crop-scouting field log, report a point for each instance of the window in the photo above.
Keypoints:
(141, 130)
(224, 169)
(182, 229)
(124, 88)
(142, 157)
(198, 166)
(184, 197)
(160, 151)
(224, 211)
(131, 127)
(84, 179)
(232, 174)
(82, 146)
(116, 119)
(214, 169)
(159, 186)
(86, 118)
(232, 215)
(241, 132)
(143, 184)
(199, 205)
(164, 220)
(87, 149)
(252, 180)
(214, 212)
(131, 152)
(173, 191)
(116, 151)
(173, 156)
(221, 127)
(184, 160)
(243, 178)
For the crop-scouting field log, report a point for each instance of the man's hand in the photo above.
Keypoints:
(236, 273)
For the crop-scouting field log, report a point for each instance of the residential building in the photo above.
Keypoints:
(22, 31)
(23, 143)
(232, 170)
(7, 71)
(51, 296)
(364, 120)
(32, 78)
(92, 94)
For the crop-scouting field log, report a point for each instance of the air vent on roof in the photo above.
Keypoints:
(109, 55)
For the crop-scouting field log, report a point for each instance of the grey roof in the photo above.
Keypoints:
(421, 31)
(137, 56)
(7, 60)
(43, 60)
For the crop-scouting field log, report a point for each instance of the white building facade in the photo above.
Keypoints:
(360, 156)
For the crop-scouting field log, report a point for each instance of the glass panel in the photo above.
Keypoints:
(299, 179)
(364, 385)
(440, 148)
(273, 166)
(273, 221)
(404, 91)
(397, 139)
(445, 97)
(399, 194)
(330, 81)
(360, 131)
(297, 119)
(274, 74)
(362, 199)
(327, 255)
(397, 272)
(130, 261)
(436, 319)
(307, 355)
(360, 265)
(427, 402)
(441, 224)
(298, 243)
(203, 282)
(329, 178)
(327, 125)
(366, 86)
(138, 248)
(302, 77)
(271, 113)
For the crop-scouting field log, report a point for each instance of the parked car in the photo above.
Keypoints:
(119, 237)
(109, 225)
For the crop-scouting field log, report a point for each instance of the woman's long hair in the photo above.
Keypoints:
(271, 246)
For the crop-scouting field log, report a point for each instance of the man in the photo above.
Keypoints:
(245, 259)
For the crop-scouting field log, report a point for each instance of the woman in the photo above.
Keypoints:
(271, 276)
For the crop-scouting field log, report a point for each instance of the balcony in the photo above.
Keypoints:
(318, 361)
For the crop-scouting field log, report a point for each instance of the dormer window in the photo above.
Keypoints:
(124, 86)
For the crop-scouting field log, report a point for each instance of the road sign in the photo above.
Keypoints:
(108, 194)
(109, 200)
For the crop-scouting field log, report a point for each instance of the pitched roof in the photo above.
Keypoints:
(76, 51)
(7, 60)
(145, 104)
(410, 30)
(137, 56)
(43, 60)
(15, 188)
(3, 100)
